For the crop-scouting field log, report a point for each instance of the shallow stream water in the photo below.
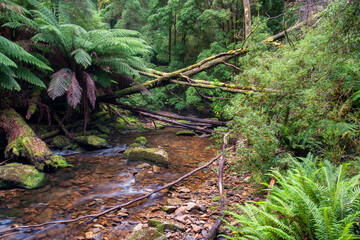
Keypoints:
(100, 180)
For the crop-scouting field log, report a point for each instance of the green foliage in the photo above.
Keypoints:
(312, 201)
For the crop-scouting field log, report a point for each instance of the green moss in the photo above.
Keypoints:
(92, 142)
(135, 145)
(16, 174)
(103, 129)
(57, 161)
(141, 140)
(60, 142)
(185, 133)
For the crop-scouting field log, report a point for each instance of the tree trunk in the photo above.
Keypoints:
(23, 144)
(247, 14)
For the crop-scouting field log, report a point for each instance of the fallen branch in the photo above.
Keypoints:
(215, 228)
(172, 115)
(93, 216)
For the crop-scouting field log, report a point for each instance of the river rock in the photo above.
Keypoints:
(141, 140)
(150, 155)
(162, 224)
(60, 142)
(146, 234)
(16, 174)
(92, 142)
(186, 133)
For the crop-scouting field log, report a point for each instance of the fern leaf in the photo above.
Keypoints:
(59, 83)
(9, 82)
(27, 75)
(74, 92)
(81, 57)
(90, 88)
(4, 60)
(11, 49)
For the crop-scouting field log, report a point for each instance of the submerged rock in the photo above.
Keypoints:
(19, 175)
(92, 142)
(162, 224)
(186, 133)
(150, 155)
(146, 234)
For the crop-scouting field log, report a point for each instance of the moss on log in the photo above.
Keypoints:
(24, 144)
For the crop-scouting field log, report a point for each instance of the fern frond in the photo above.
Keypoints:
(81, 57)
(27, 75)
(44, 13)
(8, 82)
(59, 83)
(74, 92)
(11, 49)
(4, 60)
(90, 89)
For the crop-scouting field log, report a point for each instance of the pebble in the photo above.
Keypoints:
(196, 228)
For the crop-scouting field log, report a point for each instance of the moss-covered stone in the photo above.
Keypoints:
(150, 155)
(19, 175)
(185, 133)
(146, 234)
(103, 129)
(60, 142)
(141, 140)
(135, 145)
(162, 224)
(92, 142)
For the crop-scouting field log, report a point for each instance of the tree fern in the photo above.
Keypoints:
(59, 83)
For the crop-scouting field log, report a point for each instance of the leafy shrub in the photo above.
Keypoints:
(312, 201)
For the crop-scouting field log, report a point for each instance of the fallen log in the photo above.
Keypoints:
(172, 115)
(24, 144)
(185, 125)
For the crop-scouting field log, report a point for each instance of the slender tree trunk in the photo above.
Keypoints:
(247, 14)
(170, 32)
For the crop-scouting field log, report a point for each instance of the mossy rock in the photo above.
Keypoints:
(162, 224)
(103, 129)
(60, 142)
(141, 140)
(150, 155)
(92, 142)
(146, 234)
(185, 133)
(135, 145)
(19, 175)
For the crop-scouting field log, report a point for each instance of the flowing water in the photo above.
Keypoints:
(100, 180)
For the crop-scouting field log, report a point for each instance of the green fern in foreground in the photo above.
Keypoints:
(311, 202)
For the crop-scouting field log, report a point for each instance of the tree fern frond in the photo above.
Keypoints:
(4, 60)
(102, 77)
(27, 75)
(11, 49)
(9, 82)
(81, 57)
(90, 89)
(45, 13)
(59, 83)
(74, 92)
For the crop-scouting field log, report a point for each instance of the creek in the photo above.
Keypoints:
(100, 180)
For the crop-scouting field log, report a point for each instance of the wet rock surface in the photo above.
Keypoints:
(92, 142)
(151, 155)
(20, 175)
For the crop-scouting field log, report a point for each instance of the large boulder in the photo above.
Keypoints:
(150, 155)
(92, 142)
(19, 175)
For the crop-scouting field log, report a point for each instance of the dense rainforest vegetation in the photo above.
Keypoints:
(291, 102)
